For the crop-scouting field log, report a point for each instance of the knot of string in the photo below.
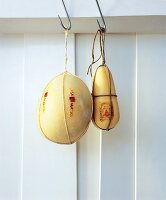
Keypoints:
(102, 51)
(65, 56)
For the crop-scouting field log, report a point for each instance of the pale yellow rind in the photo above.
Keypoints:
(65, 109)
(105, 107)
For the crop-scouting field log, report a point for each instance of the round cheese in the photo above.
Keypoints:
(65, 109)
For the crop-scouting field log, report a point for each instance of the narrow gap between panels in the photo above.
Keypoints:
(22, 121)
(136, 109)
(76, 145)
(100, 164)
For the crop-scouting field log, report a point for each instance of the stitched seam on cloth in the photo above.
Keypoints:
(64, 110)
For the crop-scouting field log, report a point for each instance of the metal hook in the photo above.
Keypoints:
(69, 26)
(103, 29)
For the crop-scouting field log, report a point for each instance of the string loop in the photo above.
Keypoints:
(102, 51)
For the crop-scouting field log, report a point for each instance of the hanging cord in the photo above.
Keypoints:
(102, 51)
(102, 47)
(65, 56)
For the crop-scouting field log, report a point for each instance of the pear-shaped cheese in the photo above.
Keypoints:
(65, 109)
(105, 105)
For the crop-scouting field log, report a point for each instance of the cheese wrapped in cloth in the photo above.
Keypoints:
(105, 105)
(65, 109)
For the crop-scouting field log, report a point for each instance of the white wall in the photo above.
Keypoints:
(11, 56)
(118, 146)
(32, 167)
(151, 130)
(126, 163)
(89, 146)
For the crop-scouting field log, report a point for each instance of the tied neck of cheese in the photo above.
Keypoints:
(105, 105)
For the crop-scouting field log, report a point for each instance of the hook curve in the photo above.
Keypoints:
(69, 25)
(103, 29)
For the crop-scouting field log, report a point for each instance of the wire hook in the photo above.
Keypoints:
(103, 29)
(69, 25)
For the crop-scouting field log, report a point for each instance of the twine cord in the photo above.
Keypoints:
(65, 55)
(102, 51)
(63, 94)
(102, 45)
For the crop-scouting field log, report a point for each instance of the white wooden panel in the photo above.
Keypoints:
(11, 61)
(38, 169)
(151, 117)
(89, 145)
(49, 169)
(117, 153)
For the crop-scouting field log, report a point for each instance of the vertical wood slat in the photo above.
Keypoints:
(151, 117)
(113, 145)
(49, 169)
(117, 145)
(88, 148)
(11, 58)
